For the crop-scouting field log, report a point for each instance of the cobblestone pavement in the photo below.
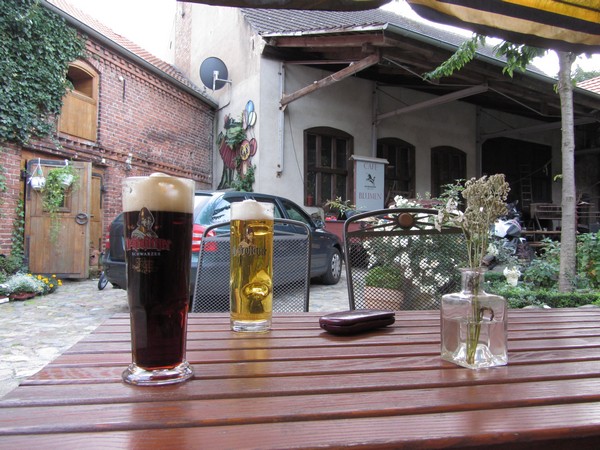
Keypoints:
(34, 332)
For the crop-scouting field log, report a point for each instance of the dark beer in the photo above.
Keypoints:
(158, 279)
(158, 235)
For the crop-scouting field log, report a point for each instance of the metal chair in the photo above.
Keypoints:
(291, 268)
(396, 259)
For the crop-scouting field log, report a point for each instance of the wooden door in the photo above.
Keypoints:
(68, 255)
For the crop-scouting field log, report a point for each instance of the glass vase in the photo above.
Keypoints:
(474, 324)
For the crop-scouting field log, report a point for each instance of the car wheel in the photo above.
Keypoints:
(334, 268)
(103, 281)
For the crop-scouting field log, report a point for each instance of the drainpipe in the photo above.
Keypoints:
(281, 124)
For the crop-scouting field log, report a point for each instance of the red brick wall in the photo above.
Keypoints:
(165, 128)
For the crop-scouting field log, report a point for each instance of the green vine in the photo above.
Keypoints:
(245, 182)
(36, 47)
(18, 233)
(3, 185)
(54, 193)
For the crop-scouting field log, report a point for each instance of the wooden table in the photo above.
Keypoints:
(299, 387)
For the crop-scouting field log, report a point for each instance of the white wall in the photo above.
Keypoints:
(347, 105)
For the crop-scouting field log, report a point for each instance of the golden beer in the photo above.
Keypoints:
(251, 266)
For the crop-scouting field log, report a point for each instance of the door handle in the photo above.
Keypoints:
(81, 218)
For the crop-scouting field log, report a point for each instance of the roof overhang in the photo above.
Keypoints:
(404, 56)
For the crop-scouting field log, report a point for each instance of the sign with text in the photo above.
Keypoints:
(369, 177)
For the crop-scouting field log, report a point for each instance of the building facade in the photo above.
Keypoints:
(328, 86)
(129, 114)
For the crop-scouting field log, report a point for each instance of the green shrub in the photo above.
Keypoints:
(9, 265)
(384, 277)
(525, 294)
(588, 260)
(544, 270)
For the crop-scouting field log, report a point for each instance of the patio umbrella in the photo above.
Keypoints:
(325, 5)
(572, 26)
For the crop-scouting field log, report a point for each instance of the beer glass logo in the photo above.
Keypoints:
(143, 238)
(144, 225)
(247, 247)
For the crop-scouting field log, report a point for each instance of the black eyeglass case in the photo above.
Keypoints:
(356, 321)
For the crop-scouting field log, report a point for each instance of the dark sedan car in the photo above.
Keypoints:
(213, 207)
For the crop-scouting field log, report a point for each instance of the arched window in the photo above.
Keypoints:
(326, 167)
(448, 164)
(79, 114)
(400, 170)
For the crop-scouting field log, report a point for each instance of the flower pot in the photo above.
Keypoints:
(37, 183)
(474, 324)
(66, 180)
(21, 295)
(383, 298)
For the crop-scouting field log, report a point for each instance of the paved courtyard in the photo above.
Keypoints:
(36, 331)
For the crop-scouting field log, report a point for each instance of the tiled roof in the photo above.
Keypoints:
(126, 44)
(593, 84)
(269, 22)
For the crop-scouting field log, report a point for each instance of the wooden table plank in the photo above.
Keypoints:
(515, 427)
(231, 411)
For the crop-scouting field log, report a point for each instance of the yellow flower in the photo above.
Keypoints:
(53, 276)
(39, 277)
(51, 285)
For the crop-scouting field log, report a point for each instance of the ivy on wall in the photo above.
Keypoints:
(36, 47)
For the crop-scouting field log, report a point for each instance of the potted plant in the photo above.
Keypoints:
(341, 206)
(37, 180)
(23, 286)
(310, 193)
(58, 182)
(473, 322)
(383, 288)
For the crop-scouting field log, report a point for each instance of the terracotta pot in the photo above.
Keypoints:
(383, 298)
(21, 295)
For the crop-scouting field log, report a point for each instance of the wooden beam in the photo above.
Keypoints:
(326, 41)
(333, 78)
(535, 128)
(436, 101)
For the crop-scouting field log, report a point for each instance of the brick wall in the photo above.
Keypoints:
(165, 128)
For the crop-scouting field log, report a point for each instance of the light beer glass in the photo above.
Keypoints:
(158, 213)
(251, 266)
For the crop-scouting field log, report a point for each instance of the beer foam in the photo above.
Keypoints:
(158, 192)
(251, 210)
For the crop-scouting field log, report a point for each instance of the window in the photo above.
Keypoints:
(400, 172)
(326, 153)
(79, 114)
(448, 164)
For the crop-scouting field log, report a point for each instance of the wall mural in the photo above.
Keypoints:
(237, 146)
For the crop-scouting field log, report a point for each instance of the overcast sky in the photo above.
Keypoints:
(149, 23)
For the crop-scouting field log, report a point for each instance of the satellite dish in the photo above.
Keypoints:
(213, 73)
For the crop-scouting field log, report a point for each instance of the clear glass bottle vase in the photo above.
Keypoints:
(474, 324)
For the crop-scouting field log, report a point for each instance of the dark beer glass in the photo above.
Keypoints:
(158, 212)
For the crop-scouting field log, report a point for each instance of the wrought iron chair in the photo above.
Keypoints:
(291, 268)
(396, 259)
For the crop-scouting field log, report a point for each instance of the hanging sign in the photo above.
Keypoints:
(369, 181)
